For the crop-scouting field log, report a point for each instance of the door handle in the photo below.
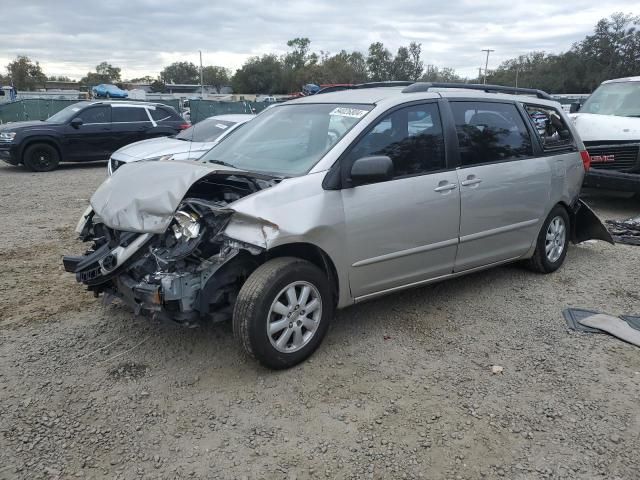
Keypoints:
(471, 181)
(445, 188)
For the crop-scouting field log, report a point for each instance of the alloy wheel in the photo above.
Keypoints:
(555, 239)
(294, 317)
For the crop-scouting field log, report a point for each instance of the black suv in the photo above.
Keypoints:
(84, 132)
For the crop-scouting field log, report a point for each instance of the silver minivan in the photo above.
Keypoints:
(337, 198)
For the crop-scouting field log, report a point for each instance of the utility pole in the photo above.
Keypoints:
(201, 82)
(486, 64)
(479, 73)
(517, 72)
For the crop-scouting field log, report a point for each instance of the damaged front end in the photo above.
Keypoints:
(188, 269)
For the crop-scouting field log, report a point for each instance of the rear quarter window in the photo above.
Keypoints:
(162, 114)
(551, 127)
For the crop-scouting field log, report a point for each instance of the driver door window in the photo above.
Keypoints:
(411, 136)
(99, 114)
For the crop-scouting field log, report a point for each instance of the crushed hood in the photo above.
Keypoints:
(593, 127)
(142, 197)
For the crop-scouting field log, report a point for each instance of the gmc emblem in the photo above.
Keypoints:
(603, 158)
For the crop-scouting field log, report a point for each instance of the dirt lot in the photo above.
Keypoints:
(401, 388)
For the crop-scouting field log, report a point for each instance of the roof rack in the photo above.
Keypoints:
(337, 88)
(425, 86)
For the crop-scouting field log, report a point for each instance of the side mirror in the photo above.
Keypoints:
(371, 170)
(574, 107)
(76, 122)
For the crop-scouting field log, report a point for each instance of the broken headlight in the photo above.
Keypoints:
(186, 225)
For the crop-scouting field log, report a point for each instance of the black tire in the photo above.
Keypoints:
(41, 157)
(107, 95)
(540, 262)
(253, 309)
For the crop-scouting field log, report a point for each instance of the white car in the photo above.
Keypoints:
(190, 144)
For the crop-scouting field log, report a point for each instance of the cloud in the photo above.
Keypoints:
(143, 36)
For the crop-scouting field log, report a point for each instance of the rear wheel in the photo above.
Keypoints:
(41, 157)
(552, 243)
(283, 311)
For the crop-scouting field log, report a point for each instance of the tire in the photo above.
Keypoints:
(552, 243)
(41, 157)
(107, 95)
(259, 296)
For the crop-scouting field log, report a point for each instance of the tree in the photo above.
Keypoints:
(417, 66)
(105, 73)
(299, 66)
(435, 74)
(146, 79)
(260, 75)
(59, 78)
(25, 74)
(181, 72)
(379, 62)
(157, 86)
(343, 67)
(217, 77)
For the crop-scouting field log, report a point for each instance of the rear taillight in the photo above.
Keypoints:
(184, 126)
(586, 160)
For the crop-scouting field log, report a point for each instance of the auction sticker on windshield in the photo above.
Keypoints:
(348, 112)
(221, 125)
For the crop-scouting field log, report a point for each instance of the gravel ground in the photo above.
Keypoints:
(401, 388)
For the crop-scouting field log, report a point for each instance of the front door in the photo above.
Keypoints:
(404, 230)
(504, 189)
(91, 140)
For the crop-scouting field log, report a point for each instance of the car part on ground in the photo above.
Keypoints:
(625, 231)
(574, 318)
(330, 200)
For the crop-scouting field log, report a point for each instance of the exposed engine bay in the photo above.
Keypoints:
(190, 271)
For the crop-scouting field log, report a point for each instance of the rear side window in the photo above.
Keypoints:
(129, 114)
(159, 114)
(553, 131)
(98, 114)
(411, 136)
(490, 132)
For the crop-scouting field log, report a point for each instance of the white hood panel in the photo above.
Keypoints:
(593, 127)
(158, 147)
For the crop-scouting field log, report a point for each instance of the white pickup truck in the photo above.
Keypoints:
(609, 124)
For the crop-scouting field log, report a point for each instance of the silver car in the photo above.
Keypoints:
(334, 199)
(189, 144)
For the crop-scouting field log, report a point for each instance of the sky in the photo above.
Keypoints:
(70, 37)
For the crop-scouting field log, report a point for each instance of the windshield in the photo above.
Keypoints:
(66, 114)
(619, 98)
(205, 131)
(289, 139)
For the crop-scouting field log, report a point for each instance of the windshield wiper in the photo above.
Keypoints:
(223, 163)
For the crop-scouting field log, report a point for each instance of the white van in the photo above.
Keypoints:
(609, 125)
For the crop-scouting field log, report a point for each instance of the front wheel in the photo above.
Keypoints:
(552, 243)
(41, 157)
(283, 311)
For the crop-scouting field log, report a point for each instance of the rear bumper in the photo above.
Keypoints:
(612, 180)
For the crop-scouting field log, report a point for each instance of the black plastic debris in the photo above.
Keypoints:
(625, 231)
(572, 317)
